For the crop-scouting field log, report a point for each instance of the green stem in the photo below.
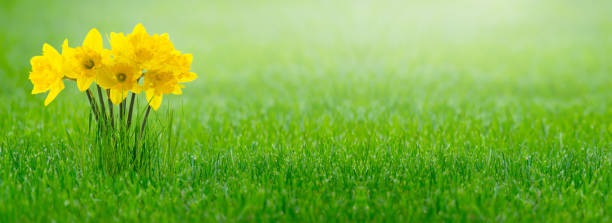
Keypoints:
(94, 107)
(129, 119)
(122, 110)
(103, 112)
(144, 122)
(110, 109)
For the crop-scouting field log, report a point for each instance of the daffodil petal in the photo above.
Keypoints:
(39, 89)
(149, 94)
(118, 43)
(189, 57)
(139, 29)
(137, 89)
(154, 99)
(117, 95)
(55, 90)
(93, 40)
(50, 51)
(156, 102)
(177, 89)
(84, 83)
(65, 47)
(187, 77)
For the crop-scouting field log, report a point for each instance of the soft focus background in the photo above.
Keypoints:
(329, 111)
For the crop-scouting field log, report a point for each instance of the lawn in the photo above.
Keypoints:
(327, 111)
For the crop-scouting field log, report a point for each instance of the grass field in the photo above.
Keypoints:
(326, 111)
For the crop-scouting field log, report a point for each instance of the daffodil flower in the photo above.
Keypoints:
(146, 51)
(119, 77)
(47, 73)
(84, 62)
(167, 79)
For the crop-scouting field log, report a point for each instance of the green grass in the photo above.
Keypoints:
(317, 111)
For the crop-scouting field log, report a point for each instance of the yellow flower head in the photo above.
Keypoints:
(84, 62)
(47, 73)
(166, 79)
(160, 82)
(181, 65)
(119, 77)
(141, 48)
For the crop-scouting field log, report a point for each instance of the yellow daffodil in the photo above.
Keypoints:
(119, 77)
(167, 79)
(84, 62)
(47, 73)
(181, 65)
(141, 48)
(160, 82)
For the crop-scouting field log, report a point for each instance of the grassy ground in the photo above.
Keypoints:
(328, 111)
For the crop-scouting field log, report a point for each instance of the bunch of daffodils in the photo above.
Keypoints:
(136, 63)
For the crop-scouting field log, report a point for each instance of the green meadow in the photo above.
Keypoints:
(325, 111)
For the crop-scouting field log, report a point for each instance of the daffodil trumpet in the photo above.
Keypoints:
(119, 71)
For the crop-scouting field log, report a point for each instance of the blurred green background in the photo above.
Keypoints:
(257, 45)
(331, 110)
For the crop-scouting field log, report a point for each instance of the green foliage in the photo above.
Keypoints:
(325, 111)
